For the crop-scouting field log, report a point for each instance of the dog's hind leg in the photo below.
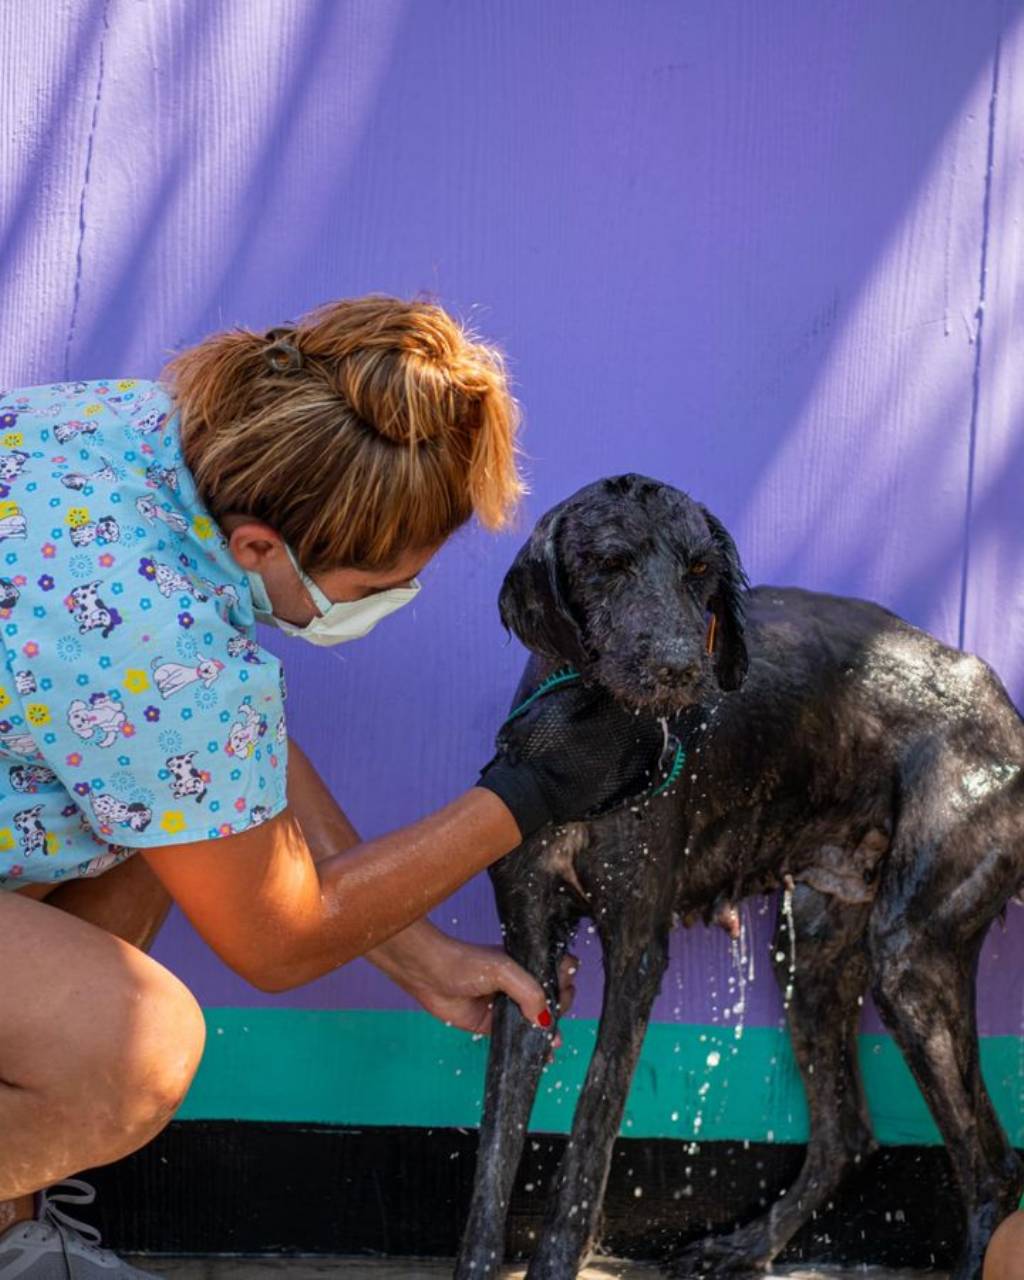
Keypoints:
(538, 916)
(824, 1011)
(924, 947)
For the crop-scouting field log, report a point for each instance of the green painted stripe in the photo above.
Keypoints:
(371, 1067)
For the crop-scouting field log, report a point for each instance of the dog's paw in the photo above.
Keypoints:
(717, 1256)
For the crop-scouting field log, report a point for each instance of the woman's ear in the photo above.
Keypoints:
(727, 604)
(533, 604)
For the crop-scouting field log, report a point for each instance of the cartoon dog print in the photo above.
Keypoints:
(244, 648)
(186, 780)
(25, 682)
(14, 526)
(100, 720)
(103, 531)
(90, 612)
(149, 510)
(9, 594)
(65, 432)
(12, 464)
(223, 591)
(33, 833)
(19, 744)
(30, 777)
(258, 814)
(245, 732)
(152, 420)
(172, 677)
(169, 580)
(281, 732)
(78, 479)
(157, 476)
(114, 812)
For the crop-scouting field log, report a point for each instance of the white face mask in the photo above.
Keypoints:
(339, 620)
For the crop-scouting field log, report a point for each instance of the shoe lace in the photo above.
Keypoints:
(64, 1224)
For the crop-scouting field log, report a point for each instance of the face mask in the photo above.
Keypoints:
(339, 620)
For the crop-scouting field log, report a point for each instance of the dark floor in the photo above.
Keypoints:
(431, 1269)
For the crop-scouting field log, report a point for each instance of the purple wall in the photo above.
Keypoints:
(769, 253)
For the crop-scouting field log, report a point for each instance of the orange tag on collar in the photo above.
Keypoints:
(709, 639)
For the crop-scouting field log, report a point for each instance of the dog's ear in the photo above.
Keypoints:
(533, 602)
(730, 649)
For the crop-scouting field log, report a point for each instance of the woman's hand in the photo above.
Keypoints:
(457, 981)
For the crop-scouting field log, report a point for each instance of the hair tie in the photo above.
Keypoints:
(282, 355)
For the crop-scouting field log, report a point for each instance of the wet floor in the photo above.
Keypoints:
(431, 1269)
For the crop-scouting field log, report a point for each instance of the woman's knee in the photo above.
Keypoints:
(128, 1074)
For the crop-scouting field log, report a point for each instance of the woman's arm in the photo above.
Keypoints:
(280, 919)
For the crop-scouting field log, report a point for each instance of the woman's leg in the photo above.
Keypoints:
(98, 1045)
(127, 901)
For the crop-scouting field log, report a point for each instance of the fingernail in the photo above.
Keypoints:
(544, 1019)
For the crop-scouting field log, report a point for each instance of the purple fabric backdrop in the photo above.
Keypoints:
(768, 253)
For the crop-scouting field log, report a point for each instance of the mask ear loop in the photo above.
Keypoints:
(709, 639)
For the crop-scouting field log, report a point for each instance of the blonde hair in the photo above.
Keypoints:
(371, 427)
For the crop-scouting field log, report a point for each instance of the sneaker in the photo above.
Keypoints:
(58, 1247)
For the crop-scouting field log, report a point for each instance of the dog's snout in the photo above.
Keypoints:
(678, 673)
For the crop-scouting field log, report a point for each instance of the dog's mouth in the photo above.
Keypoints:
(653, 690)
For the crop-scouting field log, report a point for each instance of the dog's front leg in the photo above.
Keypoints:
(538, 918)
(630, 895)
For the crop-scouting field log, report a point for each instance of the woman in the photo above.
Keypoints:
(302, 478)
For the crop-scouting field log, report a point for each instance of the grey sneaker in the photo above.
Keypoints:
(58, 1247)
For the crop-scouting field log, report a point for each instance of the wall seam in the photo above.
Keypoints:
(972, 444)
(86, 178)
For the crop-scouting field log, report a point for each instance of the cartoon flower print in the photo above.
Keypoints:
(106, 560)
(91, 410)
(147, 568)
(152, 714)
(203, 527)
(52, 843)
(49, 550)
(136, 680)
(81, 788)
(126, 384)
(80, 565)
(171, 742)
(76, 517)
(128, 729)
(225, 829)
(185, 620)
(173, 821)
(46, 582)
(30, 650)
(38, 713)
(8, 420)
(5, 698)
(74, 759)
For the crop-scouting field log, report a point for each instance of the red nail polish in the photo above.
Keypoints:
(544, 1019)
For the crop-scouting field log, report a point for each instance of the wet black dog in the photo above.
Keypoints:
(873, 770)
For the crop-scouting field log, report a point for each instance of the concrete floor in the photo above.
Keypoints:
(411, 1269)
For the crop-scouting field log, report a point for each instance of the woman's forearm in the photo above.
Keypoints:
(371, 892)
(405, 956)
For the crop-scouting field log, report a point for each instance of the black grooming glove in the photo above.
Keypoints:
(571, 753)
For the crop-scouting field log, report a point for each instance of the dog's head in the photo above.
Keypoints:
(637, 586)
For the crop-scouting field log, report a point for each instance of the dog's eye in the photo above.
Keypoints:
(616, 562)
(698, 568)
